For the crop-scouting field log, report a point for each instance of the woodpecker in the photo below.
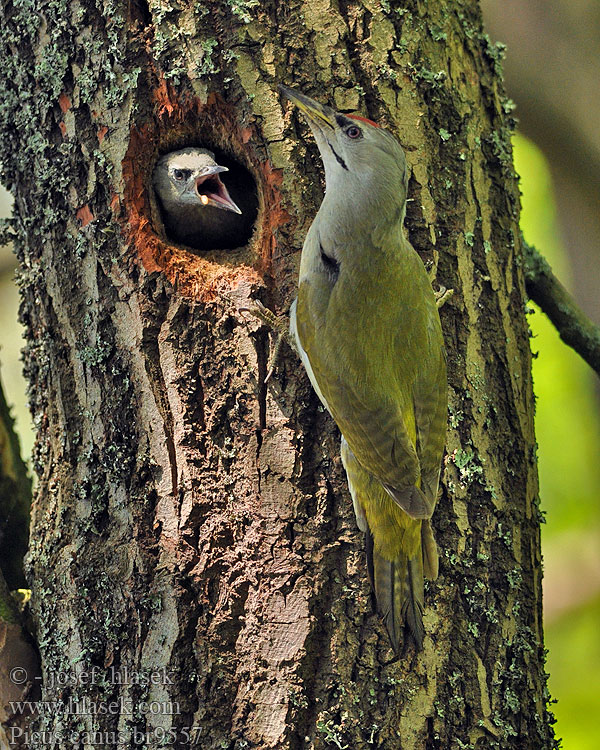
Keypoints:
(367, 328)
(197, 208)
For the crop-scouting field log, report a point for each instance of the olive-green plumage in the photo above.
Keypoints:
(368, 331)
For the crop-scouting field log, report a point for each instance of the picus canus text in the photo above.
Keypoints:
(367, 327)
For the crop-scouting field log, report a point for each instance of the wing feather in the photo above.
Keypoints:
(380, 371)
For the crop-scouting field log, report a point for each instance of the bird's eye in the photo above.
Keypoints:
(353, 131)
(179, 174)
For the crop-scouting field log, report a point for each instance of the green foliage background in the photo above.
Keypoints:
(568, 433)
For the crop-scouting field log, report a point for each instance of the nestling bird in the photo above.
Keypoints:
(367, 327)
(197, 207)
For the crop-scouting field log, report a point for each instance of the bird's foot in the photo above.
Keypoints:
(279, 324)
(442, 296)
(258, 310)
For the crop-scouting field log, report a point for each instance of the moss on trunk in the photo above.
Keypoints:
(188, 517)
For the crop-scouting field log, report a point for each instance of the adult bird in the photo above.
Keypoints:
(197, 207)
(367, 327)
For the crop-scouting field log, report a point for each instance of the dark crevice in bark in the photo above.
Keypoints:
(139, 10)
(418, 231)
(261, 339)
(151, 353)
(431, 741)
(355, 47)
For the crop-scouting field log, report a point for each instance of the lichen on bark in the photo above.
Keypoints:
(190, 518)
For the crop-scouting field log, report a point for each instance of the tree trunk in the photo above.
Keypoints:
(197, 574)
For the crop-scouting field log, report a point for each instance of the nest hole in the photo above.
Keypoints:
(198, 266)
(210, 223)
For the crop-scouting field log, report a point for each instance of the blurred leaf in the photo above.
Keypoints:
(11, 369)
(567, 409)
(568, 434)
(574, 675)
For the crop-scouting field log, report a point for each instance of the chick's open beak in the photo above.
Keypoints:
(212, 191)
(316, 113)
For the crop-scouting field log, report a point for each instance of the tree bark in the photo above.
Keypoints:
(194, 559)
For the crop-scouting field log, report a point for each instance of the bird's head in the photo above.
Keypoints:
(362, 160)
(190, 177)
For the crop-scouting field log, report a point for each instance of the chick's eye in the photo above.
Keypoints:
(353, 131)
(179, 174)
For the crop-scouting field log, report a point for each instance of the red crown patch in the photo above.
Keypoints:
(363, 119)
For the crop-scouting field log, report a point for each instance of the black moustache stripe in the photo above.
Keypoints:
(338, 158)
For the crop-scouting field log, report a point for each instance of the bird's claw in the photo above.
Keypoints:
(266, 316)
(442, 296)
(278, 323)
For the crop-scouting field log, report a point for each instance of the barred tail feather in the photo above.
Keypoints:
(430, 553)
(413, 605)
(398, 588)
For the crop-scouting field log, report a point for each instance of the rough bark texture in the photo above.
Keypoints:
(190, 519)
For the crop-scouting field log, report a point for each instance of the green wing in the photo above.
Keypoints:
(379, 364)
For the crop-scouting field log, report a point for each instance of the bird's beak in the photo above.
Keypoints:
(212, 191)
(316, 114)
(215, 169)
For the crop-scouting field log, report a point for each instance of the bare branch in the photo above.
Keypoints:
(573, 326)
